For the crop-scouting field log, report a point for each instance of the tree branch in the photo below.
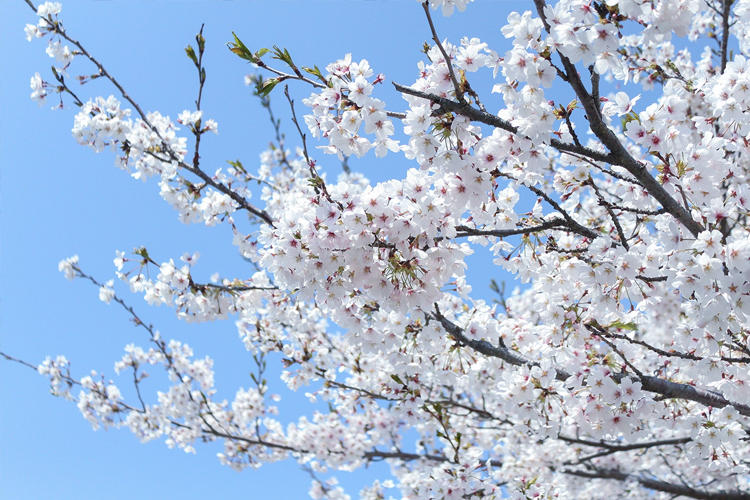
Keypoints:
(262, 214)
(625, 447)
(725, 13)
(658, 485)
(495, 121)
(665, 388)
(608, 206)
(448, 62)
(377, 455)
(610, 449)
(201, 82)
(556, 223)
(19, 361)
(621, 155)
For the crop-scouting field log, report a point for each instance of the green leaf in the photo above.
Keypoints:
(267, 86)
(191, 54)
(201, 42)
(241, 50)
(623, 326)
(438, 408)
(315, 71)
(141, 252)
(396, 379)
(237, 164)
(282, 55)
(682, 168)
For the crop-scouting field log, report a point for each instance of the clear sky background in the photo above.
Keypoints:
(60, 199)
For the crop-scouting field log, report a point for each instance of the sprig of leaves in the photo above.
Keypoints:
(241, 50)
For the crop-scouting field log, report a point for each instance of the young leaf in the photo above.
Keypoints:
(191, 54)
(624, 326)
(282, 55)
(267, 86)
(241, 50)
(201, 42)
(315, 71)
(237, 165)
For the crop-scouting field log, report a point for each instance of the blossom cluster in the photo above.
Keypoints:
(345, 107)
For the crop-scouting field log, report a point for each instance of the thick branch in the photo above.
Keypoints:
(463, 231)
(625, 447)
(725, 13)
(610, 449)
(495, 121)
(232, 288)
(408, 457)
(664, 388)
(484, 347)
(658, 485)
(621, 155)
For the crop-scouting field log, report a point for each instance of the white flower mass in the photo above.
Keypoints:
(620, 369)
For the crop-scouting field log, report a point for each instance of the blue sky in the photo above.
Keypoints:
(60, 199)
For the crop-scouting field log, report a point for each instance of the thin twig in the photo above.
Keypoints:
(608, 207)
(201, 82)
(448, 62)
(262, 214)
(319, 183)
(19, 361)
